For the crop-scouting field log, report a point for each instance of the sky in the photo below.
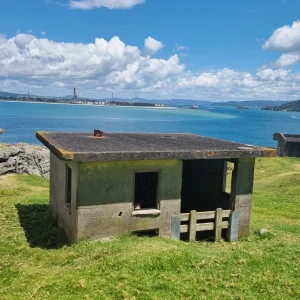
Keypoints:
(212, 50)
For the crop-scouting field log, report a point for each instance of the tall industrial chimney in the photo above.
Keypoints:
(74, 94)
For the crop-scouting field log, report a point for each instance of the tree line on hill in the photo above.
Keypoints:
(290, 106)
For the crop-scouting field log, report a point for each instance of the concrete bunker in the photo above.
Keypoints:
(288, 144)
(132, 182)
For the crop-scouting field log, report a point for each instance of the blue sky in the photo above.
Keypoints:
(209, 50)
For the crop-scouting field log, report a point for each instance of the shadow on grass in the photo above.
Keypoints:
(40, 228)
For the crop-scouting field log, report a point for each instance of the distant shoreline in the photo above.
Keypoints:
(94, 105)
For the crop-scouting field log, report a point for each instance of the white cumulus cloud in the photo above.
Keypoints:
(287, 59)
(225, 78)
(110, 4)
(47, 67)
(273, 75)
(231, 84)
(286, 38)
(103, 64)
(152, 45)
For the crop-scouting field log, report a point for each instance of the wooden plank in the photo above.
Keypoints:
(175, 227)
(226, 213)
(233, 229)
(192, 225)
(204, 215)
(184, 228)
(211, 226)
(185, 217)
(218, 224)
(225, 224)
(205, 226)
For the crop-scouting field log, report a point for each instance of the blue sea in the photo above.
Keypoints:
(256, 127)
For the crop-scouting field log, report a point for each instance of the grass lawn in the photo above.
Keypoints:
(37, 262)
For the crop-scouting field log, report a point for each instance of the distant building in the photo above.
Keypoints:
(288, 144)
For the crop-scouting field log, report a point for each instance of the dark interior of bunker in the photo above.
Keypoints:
(203, 185)
(145, 194)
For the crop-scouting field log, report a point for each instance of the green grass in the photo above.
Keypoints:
(36, 260)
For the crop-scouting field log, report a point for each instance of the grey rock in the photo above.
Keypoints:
(264, 233)
(24, 158)
(1, 131)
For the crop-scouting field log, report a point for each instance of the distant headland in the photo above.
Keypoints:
(290, 106)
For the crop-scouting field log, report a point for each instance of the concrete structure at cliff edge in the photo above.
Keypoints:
(103, 185)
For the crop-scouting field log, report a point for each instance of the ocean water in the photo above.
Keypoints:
(256, 127)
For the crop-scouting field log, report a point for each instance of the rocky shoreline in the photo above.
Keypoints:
(24, 159)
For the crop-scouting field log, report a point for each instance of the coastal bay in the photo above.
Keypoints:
(20, 121)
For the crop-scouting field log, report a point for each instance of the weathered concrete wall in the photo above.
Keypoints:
(202, 185)
(24, 158)
(241, 192)
(111, 185)
(66, 218)
(102, 197)
(290, 149)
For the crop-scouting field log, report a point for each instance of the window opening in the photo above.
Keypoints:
(145, 194)
(68, 187)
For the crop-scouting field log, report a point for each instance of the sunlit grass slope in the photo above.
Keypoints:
(37, 262)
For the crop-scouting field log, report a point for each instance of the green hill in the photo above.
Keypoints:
(290, 106)
(251, 103)
(37, 262)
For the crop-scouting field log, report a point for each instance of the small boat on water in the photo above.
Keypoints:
(195, 106)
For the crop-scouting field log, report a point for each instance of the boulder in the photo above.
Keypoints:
(264, 233)
(24, 158)
(1, 131)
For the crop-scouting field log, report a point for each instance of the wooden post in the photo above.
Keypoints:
(175, 227)
(233, 229)
(218, 224)
(192, 226)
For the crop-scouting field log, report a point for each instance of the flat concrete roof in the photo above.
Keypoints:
(84, 147)
(294, 138)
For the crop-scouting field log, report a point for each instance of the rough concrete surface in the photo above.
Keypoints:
(84, 147)
(25, 159)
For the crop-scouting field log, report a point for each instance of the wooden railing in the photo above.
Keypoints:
(232, 224)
